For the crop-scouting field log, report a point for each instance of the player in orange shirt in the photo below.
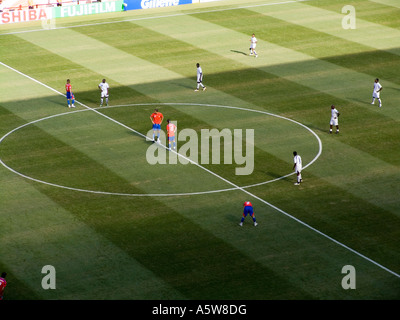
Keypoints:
(156, 118)
(171, 130)
(248, 209)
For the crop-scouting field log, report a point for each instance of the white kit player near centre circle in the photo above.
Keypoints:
(103, 86)
(297, 167)
(334, 119)
(377, 92)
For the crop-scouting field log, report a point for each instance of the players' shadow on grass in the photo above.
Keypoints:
(234, 218)
(184, 85)
(362, 102)
(274, 176)
(319, 129)
(241, 52)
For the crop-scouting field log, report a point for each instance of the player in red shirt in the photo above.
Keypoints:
(248, 209)
(156, 118)
(3, 284)
(68, 89)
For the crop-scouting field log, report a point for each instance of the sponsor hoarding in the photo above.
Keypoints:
(149, 4)
(25, 15)
(86, 9)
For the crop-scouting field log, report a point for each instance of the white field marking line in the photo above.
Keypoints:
(83, 105)
(251, 110)
(285, 213)
(231, 183)
(85, 190)
(150, 194)
(155, 17)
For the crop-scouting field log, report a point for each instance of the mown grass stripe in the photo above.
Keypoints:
(384, 14)
(373, 34)
(391, 3)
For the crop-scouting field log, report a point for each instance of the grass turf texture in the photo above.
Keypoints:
(191, 247)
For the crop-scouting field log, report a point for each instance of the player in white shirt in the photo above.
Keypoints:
(334, 119)
(297, 167)
(199, 78)
(253, 44)
(377, 92)
(103, 86)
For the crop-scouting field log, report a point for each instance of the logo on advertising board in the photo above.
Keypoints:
(85, 9)
(25, 15)
(148, 4)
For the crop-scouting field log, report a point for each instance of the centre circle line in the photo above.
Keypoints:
(160, 194)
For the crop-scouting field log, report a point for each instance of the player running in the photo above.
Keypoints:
(68, 89)
(156, 118)
(171, 130)
(248, 210)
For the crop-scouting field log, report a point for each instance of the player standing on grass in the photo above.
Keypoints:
(171, 130)
(334, 119)
(68, 89)
(377, 92)
(253, 44)
(103, 87)
(156, 118)
(199, 78)
(248, 210)
(3, 284)
(297, 167)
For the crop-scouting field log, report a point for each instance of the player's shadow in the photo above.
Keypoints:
(275, 176)
(241, 52)
(183, 85)
(234, 218)
(362, 102)
(318, 129)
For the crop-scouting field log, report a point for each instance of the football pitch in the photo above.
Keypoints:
(79, 191)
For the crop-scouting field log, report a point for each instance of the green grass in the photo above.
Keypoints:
(136, 246)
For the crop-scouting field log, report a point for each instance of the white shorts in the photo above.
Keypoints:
(104, 94)
(298, 169)
(253, 46)
(334, 121)
(199, 78)
(376, 95)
